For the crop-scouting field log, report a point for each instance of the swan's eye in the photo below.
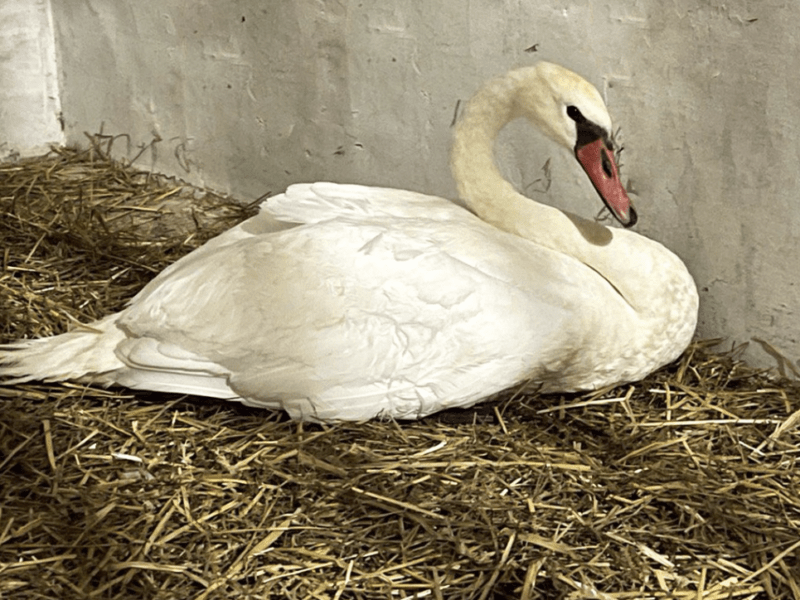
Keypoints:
(587, 131)
(576, 115)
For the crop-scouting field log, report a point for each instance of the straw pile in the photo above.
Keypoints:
(684, 486)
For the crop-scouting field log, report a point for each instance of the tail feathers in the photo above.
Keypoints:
(93, 354)
(82, 353)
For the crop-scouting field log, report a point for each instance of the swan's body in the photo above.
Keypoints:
(388, 302)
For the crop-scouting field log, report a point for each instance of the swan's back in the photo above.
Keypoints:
(393, 304)
(346, 302)
(374, 302)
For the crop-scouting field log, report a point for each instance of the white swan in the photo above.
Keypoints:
(388, 302)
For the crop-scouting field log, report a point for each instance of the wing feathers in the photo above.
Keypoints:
(317, 202)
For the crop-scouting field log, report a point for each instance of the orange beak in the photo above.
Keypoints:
(598, 162)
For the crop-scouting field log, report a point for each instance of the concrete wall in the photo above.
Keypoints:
(29, 102)
(248, 96)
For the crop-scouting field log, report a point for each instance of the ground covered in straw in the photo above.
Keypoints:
(686, 485)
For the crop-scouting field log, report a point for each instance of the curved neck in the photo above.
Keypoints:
(494, 200)
(640, 270)
(480, 184)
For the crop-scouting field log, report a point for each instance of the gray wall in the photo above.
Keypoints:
(29, 95)
(248, 96)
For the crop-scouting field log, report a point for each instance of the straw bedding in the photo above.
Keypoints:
(685, 485)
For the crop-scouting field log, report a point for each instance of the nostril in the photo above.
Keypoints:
(606, 164)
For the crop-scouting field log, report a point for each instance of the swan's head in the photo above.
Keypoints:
(570, 110)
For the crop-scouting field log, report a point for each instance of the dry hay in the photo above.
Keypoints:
(685, 485)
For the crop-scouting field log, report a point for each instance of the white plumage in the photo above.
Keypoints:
(344, 302)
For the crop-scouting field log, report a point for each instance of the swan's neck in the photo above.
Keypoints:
(655, 320)
(480, 184)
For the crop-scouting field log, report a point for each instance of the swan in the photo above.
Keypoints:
(344, 302)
